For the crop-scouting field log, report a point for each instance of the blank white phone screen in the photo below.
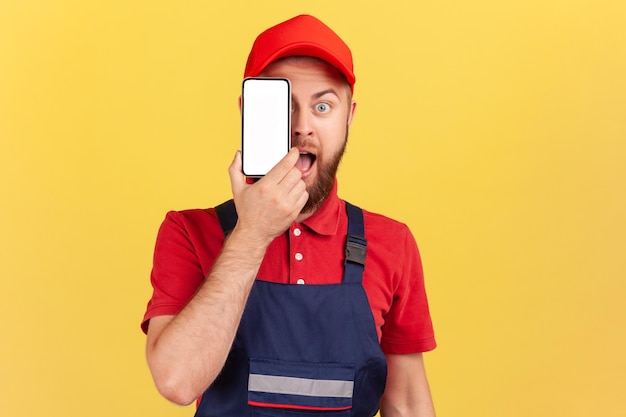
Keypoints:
(266, 114)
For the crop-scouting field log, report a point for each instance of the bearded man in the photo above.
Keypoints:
(287, 300)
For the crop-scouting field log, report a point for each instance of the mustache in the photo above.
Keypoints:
(298, 141)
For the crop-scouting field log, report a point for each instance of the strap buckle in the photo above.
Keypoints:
(356, 248)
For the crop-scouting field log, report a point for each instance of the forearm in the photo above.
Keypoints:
(190, 350)
(420, 409)
(407, 393)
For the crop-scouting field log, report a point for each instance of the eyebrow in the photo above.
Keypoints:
(324, 92)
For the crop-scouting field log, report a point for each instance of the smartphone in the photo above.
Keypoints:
(265, 123)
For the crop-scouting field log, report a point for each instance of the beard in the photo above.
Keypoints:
(323, 185)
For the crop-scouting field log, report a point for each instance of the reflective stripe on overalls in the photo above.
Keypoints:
(303, 349)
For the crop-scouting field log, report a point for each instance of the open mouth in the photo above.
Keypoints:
(305, 162)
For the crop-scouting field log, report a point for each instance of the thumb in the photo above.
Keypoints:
(237, 179)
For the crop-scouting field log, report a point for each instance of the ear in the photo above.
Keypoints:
(239, 103)
(351, 112)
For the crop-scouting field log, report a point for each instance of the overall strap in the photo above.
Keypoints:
(356, 246)
(227, 215)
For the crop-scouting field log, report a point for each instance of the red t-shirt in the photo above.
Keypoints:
(312, 252)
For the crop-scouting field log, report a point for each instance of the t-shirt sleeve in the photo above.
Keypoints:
(408, 326)
(177, 271)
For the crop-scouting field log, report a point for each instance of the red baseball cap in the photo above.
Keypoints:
(302, 35)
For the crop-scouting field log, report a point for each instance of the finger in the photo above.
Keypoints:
(291, 178)
(281, 169)
(296, 193)
(301, 199)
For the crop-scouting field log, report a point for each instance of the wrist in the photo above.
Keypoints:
(249, 241)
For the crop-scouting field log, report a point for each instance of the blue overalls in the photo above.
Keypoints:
(303, 350)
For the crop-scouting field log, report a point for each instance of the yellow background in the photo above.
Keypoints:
(495, 129)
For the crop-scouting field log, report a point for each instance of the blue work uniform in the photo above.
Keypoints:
(303, 350)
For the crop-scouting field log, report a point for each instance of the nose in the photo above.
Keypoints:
(301, 124)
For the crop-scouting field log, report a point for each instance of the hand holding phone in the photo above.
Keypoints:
(265, 211)
(265, 125)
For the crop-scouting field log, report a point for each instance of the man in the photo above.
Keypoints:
(290, 300)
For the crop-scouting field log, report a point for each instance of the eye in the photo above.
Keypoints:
(322, 107)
